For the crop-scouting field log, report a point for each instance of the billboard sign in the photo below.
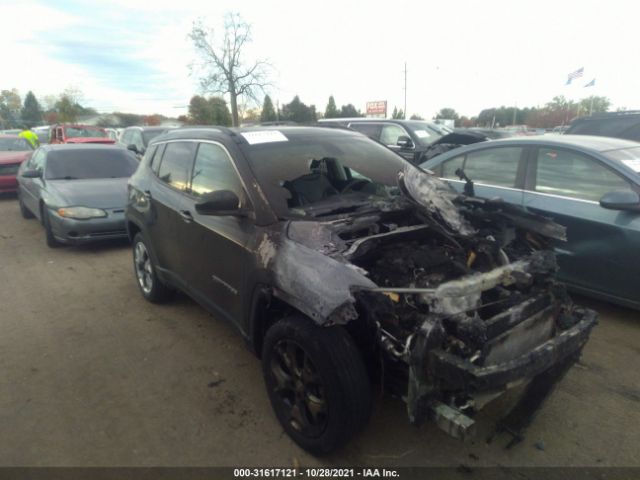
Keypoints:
(377, 109)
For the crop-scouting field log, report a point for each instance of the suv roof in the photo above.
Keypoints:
(610, 124)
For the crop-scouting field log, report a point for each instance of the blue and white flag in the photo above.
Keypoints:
(591, 83)
(573, 75)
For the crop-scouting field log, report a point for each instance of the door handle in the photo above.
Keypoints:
(186, 216)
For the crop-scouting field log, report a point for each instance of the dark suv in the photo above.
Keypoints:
(611, 124)
(343, 266)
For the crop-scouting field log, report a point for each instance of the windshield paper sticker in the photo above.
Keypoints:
(633, 164)
(264, 136)
(421, 133)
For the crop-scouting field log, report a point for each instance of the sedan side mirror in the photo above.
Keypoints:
(32, 174)
(220, 203)
(133, 148)
(404, 142)
(621, 200)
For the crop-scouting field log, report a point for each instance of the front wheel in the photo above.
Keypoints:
(24, 211)
(151, 287)
(317, 383)
(48, 232)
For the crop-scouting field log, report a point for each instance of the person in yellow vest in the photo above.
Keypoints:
(29, 136)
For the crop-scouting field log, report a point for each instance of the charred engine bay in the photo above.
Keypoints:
(447, 287)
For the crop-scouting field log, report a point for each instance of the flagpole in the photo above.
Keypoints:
(591, 106)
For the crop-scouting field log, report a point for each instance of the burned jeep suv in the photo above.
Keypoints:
(345, 267)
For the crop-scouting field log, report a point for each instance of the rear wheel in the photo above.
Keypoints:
(46, 221)
(317, 383)
(151, 287)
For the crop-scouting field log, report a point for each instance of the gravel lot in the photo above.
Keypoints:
(92, 375)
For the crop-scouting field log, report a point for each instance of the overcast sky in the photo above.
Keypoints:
(134, 56)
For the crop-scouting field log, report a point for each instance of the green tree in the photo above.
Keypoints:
(10, 104)
(397, 114)
(224, 67)
(415, 116)
(348, 111)
(331, 111)
(31, 110)
(298, 112)
(268, 113)
(447, 114)
(199, 111)
(67, 109)
(220, 114)
(599, 105)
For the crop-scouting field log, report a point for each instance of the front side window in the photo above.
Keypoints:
(176, 164)
(390, 134)
(214, 171)
(494, 166)
(572, 174)
(450, 166)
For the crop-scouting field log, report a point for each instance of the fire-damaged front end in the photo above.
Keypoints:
(452, 297)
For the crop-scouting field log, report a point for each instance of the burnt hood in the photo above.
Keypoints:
(445, 206)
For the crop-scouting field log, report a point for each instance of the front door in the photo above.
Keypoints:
(599, 253)
(495, 172)
(167, 195)
(215, 247)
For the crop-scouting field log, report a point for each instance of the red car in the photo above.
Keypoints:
(13, 151)
(79, 134)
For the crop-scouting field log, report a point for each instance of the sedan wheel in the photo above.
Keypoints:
(152, 288)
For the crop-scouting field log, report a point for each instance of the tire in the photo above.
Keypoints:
(24, 211)
(50, 238)
(317, 383)
(151, 287)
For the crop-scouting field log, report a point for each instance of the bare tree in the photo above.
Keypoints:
(223, 69)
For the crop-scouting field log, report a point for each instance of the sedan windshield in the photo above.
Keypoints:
(322, 174)
(74, 164)
(14, 145)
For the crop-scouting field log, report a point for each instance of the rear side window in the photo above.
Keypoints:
(571, 174)
(371, 130)
(494, 166)
(176, 164)
(214, 171)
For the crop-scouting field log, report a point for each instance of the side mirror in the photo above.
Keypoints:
(221, 203)
(133, 148)
(32, 174)
(621, 200)
(404, 142)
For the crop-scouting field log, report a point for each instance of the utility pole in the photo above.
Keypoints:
(591, 106)
(513, 122)
(277, 110)
(404, 112)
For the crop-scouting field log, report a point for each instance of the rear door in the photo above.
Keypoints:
(215, 247)
(602, 245)
(167, 196)
(495, 172)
